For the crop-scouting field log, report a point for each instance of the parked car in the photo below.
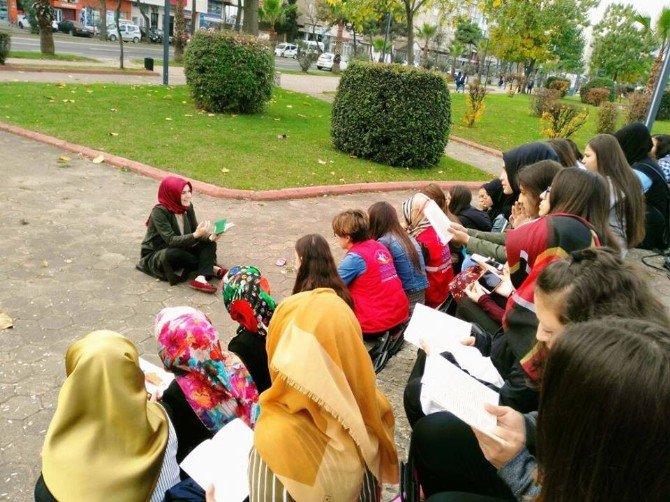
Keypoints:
(23, 22)
(281, 49)
(129, 33)
(54, 25)
(291, 53)
(76, 29)
(326, 60)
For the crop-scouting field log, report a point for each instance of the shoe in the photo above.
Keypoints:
(222, 271)
(205, 287)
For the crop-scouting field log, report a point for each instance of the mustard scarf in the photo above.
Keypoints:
(105, 441)
(323, 420)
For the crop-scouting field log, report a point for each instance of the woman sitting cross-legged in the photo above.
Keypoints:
(367, 269)
(211, 386)
(325, 431)
(246, 296)
(105, 440)
(175, 244)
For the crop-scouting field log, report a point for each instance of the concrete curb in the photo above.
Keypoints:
(233, 193)
(46, 69)
(472, 144)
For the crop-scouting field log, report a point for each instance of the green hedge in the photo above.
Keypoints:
(598, 82)
(392, 114)
(5, 46)
(229, 72)
(664, 108)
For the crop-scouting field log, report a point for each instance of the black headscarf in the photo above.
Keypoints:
(502, 204)
(635, 142)
(522, 156)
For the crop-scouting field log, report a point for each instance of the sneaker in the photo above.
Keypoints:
(222, 271)
(205, 287)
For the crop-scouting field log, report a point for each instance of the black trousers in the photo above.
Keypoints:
(199, 258)
(462, 497)
(411, 395)
(470, 311)
(447, 458)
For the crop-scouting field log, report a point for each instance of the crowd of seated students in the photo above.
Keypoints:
(579, 338)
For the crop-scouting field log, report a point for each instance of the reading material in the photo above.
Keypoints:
(223, 461)
(155, 378)
(460, 394)
(445, 333)
(438, 220)
(222, 226)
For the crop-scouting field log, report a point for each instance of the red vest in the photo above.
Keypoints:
(379, 300)
(438, 267)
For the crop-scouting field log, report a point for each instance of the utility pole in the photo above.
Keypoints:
(382, 58)
(658, 93)
(166, 40)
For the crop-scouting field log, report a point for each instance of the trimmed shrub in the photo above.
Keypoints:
(558, 83)
(562, 121)
(664, 108)
(392, 114)
(638, 104)
(229, 72)
(608, 114)
(597, 96)
(598, 82)
(542, 99)
(5, 46)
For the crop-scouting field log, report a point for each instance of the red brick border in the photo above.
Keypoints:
(74, 69)
(232, 193)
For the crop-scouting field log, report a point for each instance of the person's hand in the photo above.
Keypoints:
(459, 237)
(511, 429)
(204, 228)
(457, 226)
(469, 341)
(474, 291)
(518, 216)
(154, 397)
(215, 237)
(209, 494)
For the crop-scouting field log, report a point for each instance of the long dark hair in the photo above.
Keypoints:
(536, 178)
(564, 150)
(630, 205)
(384, 220)
(317, 268)
(604, 415)
(583, 193)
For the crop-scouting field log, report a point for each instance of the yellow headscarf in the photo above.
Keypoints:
(323, 420)
(105, 440)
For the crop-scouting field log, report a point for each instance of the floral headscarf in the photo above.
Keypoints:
(246, 296)
(215, 383)
(412, 210)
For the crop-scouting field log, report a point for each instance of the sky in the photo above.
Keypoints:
(650, 8)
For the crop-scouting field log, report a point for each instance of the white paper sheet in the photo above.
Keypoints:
(444, 333)
(223, 461)
(155, 378)
(438, 221)
(460, 394)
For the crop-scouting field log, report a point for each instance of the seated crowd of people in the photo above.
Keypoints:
(579, 338)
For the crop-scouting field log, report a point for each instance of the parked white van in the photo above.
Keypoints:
(129, 32)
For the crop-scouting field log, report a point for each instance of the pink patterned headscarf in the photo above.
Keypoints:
(216, 383)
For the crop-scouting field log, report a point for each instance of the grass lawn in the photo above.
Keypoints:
(160, 126)
(54, 57)
(507, 122)
(28, 67)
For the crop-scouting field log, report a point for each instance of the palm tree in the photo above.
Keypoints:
(426, 33)
(662, 34)
(272, 11)
(455, 51)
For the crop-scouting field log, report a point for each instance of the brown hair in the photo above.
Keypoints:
(461, 198)
(384, 220)
(630, 205)
(582, 193)
(564, 150)
(536, 178)
(317, 268)
(435, 193)
(604, 414)
(352, 223)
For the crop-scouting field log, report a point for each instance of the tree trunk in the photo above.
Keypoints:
(655, 72)
(103, 19)
(250, 17)
(353, 32)
(179, 36)
(44, 15)
(410, 34)
(192, 17)
(117, 15)
(144, 9)
(238, 16)
(338, 47)
(425, 54)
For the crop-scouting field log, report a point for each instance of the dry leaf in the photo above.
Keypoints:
(322, 161)
(168, 118)
(332, 173)
(113, 133)
(99, 159)
(187, 115)
(282, 136)
(302, 116)
(63, 158)
(440, 172)
(225, 170)
(89, 91)
(352, 157)
(183, 102)
(277, 120)
(211, 114)
(5, 321)
(44, 264)
(113, 110)
(289, 106)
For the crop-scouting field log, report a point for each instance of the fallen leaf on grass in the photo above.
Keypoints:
(5, 321)
(113, 110)
(353, 157)
(225, 170)
(188, 115)
(289, 106)
(322, 161)
(168, 118)
(302, 116)
(99, 159)
(113, 133)
(440, 172)
(277, 120)
(282, 136)
(211, 114)
(89, 91)
(183, 102)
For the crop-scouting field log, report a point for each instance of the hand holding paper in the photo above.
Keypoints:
(511, 428)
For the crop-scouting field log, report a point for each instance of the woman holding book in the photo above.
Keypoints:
(175, 244)
(106, 441)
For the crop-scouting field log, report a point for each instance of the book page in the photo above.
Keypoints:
(438, 221)
(460, 394)
(223, 461)
(155, 378)
(445, 333)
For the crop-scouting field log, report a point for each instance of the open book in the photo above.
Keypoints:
(438, 221)
(456, 392)
(223, 462)
(444, 333)
(155, 378)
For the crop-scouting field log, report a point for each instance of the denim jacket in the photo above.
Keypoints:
(413, 280)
